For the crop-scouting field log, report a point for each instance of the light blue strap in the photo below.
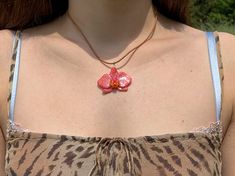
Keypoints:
(213, 63)
(15, 76)
(215, 72)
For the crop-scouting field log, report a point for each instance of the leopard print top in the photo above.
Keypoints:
(195, 153)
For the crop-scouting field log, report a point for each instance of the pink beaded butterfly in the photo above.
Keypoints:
(114, 80)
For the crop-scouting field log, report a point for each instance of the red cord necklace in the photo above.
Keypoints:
(115, 80)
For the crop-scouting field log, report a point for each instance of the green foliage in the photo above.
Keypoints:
(213, 15)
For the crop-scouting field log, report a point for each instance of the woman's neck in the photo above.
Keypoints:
(113, 21)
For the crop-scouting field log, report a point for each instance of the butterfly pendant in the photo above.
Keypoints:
(114, 81)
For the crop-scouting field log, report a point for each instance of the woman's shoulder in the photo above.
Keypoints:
(6, 44)
(6, 41)
(6, 37)
(227, 51)
(6, 32)
(227, 44)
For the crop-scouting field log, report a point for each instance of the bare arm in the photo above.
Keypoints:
(228, 144)
(5, 53)
(2, 154)
(228, 149)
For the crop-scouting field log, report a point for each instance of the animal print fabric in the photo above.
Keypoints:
(195, 153)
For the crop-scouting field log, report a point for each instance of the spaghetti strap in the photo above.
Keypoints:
(214, 57)
(216, 66)
(14, 70)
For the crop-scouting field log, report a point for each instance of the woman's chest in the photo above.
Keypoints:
(168, 91)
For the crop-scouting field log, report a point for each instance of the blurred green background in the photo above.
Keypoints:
(210, 15)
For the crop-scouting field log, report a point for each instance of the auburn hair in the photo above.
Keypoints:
(21, 14)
